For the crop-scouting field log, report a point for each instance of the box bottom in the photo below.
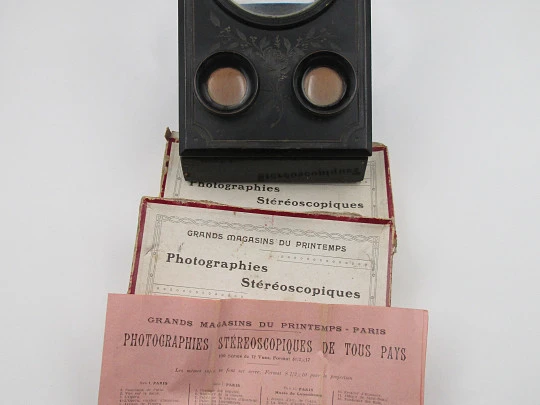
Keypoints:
(278, 170)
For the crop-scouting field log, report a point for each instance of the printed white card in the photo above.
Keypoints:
(194, 249)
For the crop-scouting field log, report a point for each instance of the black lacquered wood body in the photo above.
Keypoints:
(277, 135)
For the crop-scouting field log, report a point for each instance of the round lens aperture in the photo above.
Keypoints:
(227, 86)
(275, 13)
(323, 86)
(226, 83)
(274, 8)
(324, 83)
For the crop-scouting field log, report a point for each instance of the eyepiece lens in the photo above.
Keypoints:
(227, 86)
(323, 86)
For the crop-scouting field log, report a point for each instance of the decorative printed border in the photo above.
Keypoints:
(372, 167)
(161, 219)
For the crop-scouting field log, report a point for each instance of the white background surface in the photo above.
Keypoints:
(87, 89)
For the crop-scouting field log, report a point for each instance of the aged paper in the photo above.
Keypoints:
(207, 251)
(170, 350)
(370, 198)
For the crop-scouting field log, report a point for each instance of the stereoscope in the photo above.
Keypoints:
(276, 91)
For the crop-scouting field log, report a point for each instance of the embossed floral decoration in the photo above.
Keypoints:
(278, 53)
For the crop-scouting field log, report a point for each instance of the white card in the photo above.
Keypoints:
(208, 251)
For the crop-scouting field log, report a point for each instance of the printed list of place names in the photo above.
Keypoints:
(145, 396)
(222, 396)
(232, 396)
